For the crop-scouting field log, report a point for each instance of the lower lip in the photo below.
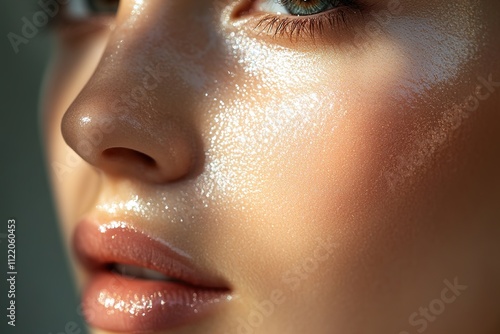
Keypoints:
(122, 304)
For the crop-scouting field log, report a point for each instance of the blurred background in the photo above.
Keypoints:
(46, 301)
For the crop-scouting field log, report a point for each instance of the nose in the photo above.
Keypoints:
(132, 118)
(128, 143)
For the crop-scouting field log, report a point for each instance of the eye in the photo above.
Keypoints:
(81, 17)
(82, 9)
(299, 7)
(300, 19)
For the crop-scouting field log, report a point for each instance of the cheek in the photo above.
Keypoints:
(293, 134)
(346, 148)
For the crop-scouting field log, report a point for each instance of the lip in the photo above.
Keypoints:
(119, 303)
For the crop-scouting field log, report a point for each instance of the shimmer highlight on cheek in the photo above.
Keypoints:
(274, 100)
(439, 47)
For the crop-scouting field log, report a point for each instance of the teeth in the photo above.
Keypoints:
(140, 272)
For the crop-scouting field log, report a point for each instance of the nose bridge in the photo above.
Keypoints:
(134, 115)
(159, 59)
(173, 42)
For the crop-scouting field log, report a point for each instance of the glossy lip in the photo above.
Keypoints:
(120, 303)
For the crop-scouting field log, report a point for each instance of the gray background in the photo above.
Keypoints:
(45, 297)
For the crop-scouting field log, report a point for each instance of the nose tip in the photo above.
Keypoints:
(129, 145)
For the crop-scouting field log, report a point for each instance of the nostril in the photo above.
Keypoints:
(128, 155)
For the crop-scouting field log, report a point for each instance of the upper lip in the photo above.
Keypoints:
(115, 242)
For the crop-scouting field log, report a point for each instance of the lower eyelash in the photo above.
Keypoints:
(296, 27)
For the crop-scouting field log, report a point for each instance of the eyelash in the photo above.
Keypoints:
(296, 27)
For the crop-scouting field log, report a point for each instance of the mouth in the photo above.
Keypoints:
(142, 284)
(140, 273)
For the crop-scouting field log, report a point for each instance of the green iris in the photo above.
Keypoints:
(308, 7)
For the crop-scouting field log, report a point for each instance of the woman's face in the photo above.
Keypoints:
(332, 173)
